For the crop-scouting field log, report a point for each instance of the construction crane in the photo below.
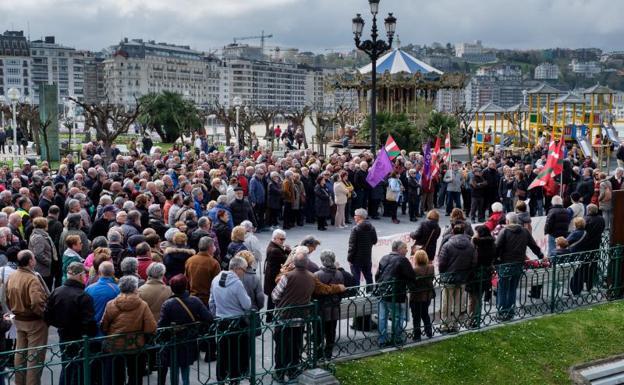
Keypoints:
(262, 37)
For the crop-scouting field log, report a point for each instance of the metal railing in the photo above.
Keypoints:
(276, 346)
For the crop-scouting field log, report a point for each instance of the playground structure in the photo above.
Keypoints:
(584, 117)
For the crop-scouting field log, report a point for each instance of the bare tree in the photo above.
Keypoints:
(267, 115)
(322, 121)
(109, 120)
(227, 116)
(247, 117)
(297, 119)
(43, 131)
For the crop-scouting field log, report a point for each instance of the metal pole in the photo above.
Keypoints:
(15, 146)
(238, 134)
(374, 105)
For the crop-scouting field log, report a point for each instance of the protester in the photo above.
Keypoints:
(422, 294)
(363, 237)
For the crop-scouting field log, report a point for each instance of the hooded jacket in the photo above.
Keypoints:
(127, 314)
(174, 260)
(228, 297)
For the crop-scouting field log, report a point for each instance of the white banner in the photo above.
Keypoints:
(384, 244)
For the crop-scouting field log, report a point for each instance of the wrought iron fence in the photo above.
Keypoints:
(254, 350)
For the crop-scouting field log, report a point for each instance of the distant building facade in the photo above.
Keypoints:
(588, 69)
(138, 67)
(547, 71)
(501, 85)
(53, 63)
(15, 63)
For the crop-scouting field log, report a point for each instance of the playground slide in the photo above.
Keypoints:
(586, 148)
(612, 135)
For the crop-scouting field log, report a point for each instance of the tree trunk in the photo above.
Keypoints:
(228, 134)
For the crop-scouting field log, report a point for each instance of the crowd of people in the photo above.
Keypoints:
(102, 247)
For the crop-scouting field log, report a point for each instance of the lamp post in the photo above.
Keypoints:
(238, 102)
(14, 96)
(3, 101)
(374, 48)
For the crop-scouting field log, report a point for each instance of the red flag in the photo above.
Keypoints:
(553, 167)
(434, 159)
(392, 148)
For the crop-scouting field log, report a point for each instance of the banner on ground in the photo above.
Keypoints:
(384, 244)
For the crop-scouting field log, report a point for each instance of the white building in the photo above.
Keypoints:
(15, 63)
(546, 71)
(56, 64)
(448, 100)
(588, 69)
(264, 84)
(139, 67)
(468, 49)
(314, 88)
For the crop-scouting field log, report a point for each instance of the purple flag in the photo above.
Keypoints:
(427, 162)
(380, 168)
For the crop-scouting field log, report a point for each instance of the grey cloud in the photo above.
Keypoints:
(321, 24)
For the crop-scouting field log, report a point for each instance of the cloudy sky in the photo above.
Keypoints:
(319, 24)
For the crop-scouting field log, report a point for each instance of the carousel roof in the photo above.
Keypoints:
(397, 61)
(598, 89)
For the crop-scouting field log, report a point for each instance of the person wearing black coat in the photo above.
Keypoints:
(241, 209)
(101, 225)
(156, 220)
(71, 311)
(427, 234)
(224, 234)
(276, 254)
(274, 199)
(329, 304)
(479, 282)
(182, 309)
(557, 223)
(322, 203)
(359, 255)
(478, 187)
(586, 187)
(413, 194)
(59, 199)
(492, 177)
(361, 186)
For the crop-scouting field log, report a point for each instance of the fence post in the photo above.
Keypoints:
(553, 288)
(617, 260)
(173, 355)
(479, 304)
(317, 332)
(253, 325)
(395, 321)
(86, 367)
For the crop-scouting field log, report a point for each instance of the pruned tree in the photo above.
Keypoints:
(267, 115)
(109, 120)
(322, 121)
(43, 131)
(247, 117)
(297, 118)
(225, 115)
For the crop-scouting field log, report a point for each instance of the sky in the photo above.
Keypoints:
(319, 25)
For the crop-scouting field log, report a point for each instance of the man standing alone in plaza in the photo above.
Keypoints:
(26, 295)
(363, 237)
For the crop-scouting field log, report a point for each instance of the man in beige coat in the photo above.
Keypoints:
(27, 295)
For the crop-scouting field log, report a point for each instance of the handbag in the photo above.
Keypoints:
(390, 197)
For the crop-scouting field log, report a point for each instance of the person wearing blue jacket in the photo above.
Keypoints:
(230, 302)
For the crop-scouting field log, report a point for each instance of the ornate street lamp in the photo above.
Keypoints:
(374, 48)
(238, 102)
(14, 97)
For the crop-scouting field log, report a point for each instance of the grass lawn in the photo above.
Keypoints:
(531, 352)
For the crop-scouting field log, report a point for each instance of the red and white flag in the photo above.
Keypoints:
(553, 167)
(435, 165)
(447, 148)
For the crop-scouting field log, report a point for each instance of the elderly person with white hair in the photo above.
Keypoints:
(557, 223)
(329, 304)
(128, 314)
(156, 220)
(253, 244)
(155, 292)
(276, 254)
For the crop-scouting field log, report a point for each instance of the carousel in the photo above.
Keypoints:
(402, 81)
